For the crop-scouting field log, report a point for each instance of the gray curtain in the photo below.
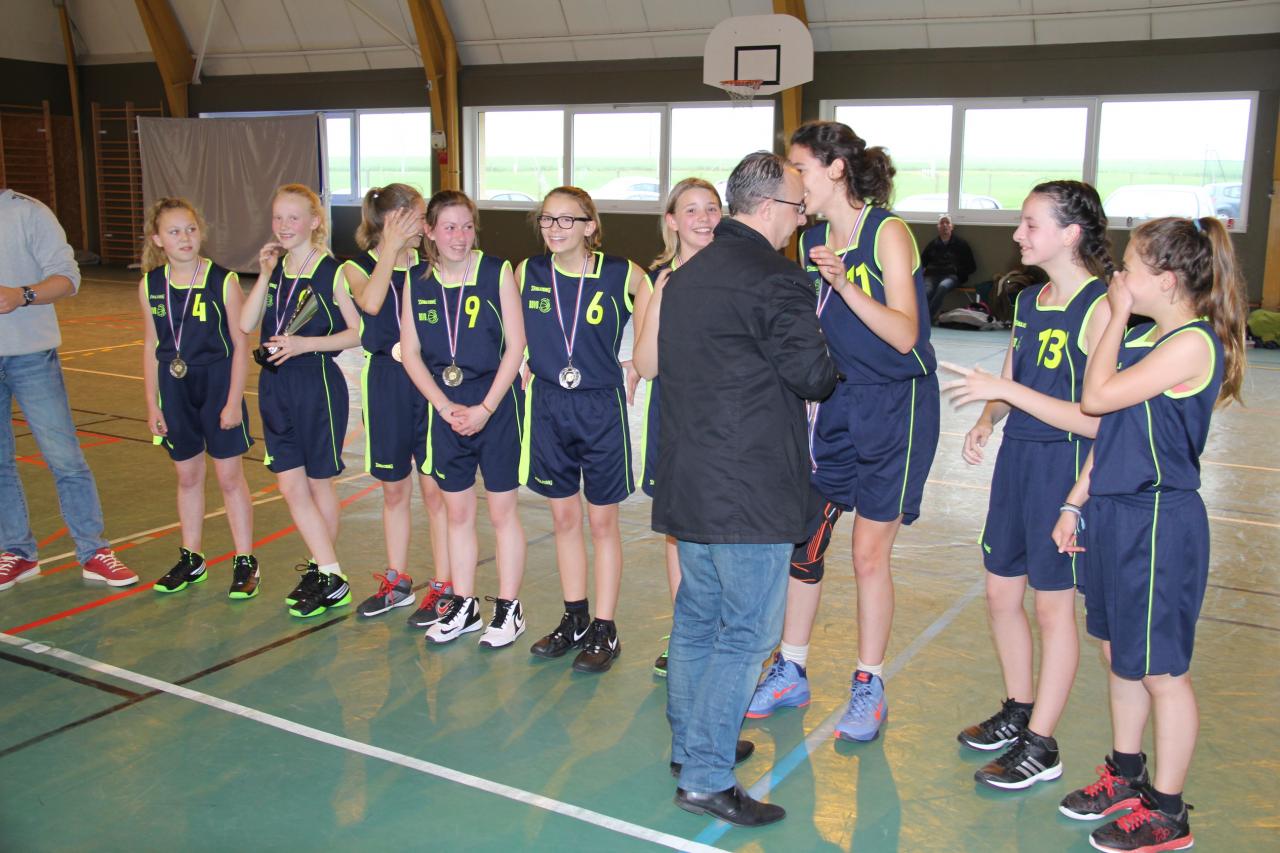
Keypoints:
(228, 168)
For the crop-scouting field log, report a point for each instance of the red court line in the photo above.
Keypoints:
(143, 587)
(60, 532)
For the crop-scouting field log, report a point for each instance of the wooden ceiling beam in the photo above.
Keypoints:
(172, 52)
(440, 62)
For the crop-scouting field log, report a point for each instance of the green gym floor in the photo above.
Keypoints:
(137, 721)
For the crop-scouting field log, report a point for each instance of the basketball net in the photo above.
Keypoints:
(741, 92)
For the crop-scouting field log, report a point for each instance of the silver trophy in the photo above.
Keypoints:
(303, 311)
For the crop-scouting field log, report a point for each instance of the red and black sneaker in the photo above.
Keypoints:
(1112, 792)
(1145, 830)
(435, 600)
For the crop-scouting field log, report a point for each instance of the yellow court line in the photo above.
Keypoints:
(99, 349)
(122, 376)
(1202, 461)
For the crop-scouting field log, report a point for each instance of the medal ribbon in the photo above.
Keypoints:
(822, 302)
(168, 312)
(292, 288)
(452, 331)
(571, 338)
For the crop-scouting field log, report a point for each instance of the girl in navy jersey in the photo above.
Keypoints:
(302, 395)
(576, 302)
(1147, 531)
(688, 225)
(1046, 439)
(194, 364)
(395, 413)
(873, 440)
(462, 337)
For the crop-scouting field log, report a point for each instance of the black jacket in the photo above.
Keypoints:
(953, 257)
(739, 351)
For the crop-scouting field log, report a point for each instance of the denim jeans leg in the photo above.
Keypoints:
(939, 292)
(753, 583)
(693, 631)
(36, 382)
(15, 526)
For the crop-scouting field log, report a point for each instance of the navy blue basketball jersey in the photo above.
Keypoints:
(203, 327)
(380, 332)
(1155, 445)
(471, 309)
(322, 275)
(603, 312)
(860, 354)
(1049, 352)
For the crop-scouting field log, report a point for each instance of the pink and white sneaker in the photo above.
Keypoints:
(15, 570)
(106, 566)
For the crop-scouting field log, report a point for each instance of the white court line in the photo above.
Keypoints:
(479, 783)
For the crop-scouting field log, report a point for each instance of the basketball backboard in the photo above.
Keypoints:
(776, 49)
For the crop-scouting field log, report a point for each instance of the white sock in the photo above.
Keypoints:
(798, 655)
(332, 569)
(877, 670)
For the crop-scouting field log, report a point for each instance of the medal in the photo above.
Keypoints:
(452, 375)
(178, 367)
(822, 301)
(570, 376)
(395, 351)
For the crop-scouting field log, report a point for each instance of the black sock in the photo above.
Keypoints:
(608, 623)
(1168, 803)
(1130, 764)
(577, 608)
(1022, 706)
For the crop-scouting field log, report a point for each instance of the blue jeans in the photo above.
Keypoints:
(35, 381)
(728, 618)
(938, 287)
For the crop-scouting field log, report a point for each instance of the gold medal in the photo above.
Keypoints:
(452, 376)
(177, 368)
(395, 351)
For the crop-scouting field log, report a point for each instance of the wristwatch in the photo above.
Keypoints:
(28, 295)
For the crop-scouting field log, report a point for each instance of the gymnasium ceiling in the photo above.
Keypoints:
(290, 36)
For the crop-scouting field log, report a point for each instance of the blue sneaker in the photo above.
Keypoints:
(785, 685)
(867, 709)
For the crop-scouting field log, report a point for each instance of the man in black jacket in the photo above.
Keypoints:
(948, 263)
(739, 351)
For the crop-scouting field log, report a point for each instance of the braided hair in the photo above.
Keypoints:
(1078, 203)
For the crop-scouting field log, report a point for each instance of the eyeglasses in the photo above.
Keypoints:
(798, 205)
(565, 222)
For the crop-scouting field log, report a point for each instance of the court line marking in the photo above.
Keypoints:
(62, 352)
(427, 768)
(822, 734)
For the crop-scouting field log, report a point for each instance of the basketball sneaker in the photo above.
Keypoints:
(1000, 729)
(461, 616)
(569, 634)
(434, 601)
(1031, 759)
(328, 591)
(189, 569)
(15, 569)
(784, 685)
(600, 647)
(867, 709)
(660, 664)
(310, 579)
(1145, 829)
(1112, 792)
(506, 625)
(394, 590)
(244, 577)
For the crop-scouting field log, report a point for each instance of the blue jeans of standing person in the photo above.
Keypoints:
(35, 381)
(728, 618)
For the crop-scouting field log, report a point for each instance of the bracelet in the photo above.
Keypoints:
(486, 408)
(1079, 514)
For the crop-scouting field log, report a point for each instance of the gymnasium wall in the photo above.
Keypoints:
(1238, 63)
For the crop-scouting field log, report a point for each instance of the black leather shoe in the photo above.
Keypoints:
(733, 806)
(740, 754)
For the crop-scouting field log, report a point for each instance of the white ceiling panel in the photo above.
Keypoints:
(975, 8)
(986, 33)
(686, 14)
(868, 10)
(536, 51)
(322, 23)
(393, 59)
(632, 48)
(589, 17)
(1078, 30)
(1054, 7)
(526, 19)
(110, 27)
(679, 45)
(750, 7)
(1228, 21)
(479, 54)
(261, 25)
(884, 37)
(469, 19)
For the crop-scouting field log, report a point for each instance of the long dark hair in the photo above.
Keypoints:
(1078, 203)
(868, 172)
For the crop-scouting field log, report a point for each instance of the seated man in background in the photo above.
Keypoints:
(948, 263)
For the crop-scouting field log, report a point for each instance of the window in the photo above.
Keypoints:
(1009, 151)
(627, 158)
(338, 154)
(395, 147)
(918, 138)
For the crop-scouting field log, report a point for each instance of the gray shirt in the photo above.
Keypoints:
(33, 247)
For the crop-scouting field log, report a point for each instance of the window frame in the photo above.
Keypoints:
(1093, 130)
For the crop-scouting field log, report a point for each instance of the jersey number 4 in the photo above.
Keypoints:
(1051, 343)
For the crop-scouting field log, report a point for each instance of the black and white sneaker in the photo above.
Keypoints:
(1031, 759)
(244, 577)
(394, 590)
(189, 569)
(460, 617)
(331, 590)
(507, 623)
(1000, 729)
(569, 634)
(310, 579)
(600, 647)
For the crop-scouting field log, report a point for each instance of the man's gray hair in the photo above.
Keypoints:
(754, 180)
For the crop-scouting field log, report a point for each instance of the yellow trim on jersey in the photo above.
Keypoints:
(1065, 305)
(1082, 339)
(596, 267)
(915, 248)
(373, 253)
(208, 268)
(1213, 358)
(475, 271)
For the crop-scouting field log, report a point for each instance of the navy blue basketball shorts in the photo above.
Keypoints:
(192, 408)
(574, 437)
(453, 459)
(874, 444)
(1148, 568)
(395, 420)
(1030, 483)
(649, 438)
(304, 416)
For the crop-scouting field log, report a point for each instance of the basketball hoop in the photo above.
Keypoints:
(741, 92)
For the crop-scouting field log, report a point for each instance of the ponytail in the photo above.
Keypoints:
(378, 203)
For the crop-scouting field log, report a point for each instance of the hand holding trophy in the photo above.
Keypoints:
(303, 311)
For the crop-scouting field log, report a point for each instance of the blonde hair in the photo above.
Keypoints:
(437, 205)
(584, 200)
(670, 236)
(152, 255)
(320, 236)
(378, 202)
